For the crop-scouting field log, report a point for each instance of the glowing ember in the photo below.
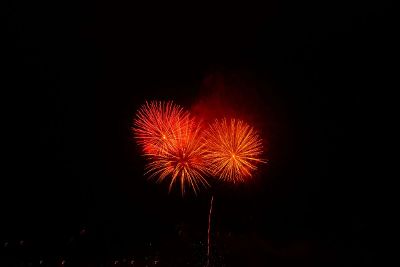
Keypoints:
(233, 150)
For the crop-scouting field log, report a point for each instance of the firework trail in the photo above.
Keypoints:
(209, 232)
(233, 150)
(172, 142)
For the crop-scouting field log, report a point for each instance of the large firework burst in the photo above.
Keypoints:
(233, 149)
(172, 143)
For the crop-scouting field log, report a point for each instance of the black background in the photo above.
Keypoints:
(312, 76)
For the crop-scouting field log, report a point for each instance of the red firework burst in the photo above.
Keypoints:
(233, 150)
(171, 141)
(156, 124)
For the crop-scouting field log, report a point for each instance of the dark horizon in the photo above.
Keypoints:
(310, 76)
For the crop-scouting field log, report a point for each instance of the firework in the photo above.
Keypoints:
(171, 141)
(156, 124)
(233, 150)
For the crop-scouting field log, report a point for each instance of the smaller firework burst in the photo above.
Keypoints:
(233, 150)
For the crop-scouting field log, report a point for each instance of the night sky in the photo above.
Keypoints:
(309, 75)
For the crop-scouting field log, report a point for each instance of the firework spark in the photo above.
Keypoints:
(233, 150)
(171, 141)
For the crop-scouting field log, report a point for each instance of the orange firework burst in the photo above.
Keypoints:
(233, 150)
(171, 141)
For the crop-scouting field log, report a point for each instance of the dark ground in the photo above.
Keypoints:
(312, 76)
